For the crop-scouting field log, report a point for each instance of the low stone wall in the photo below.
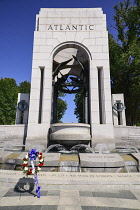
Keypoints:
(11, 131)
(127, 135)
(12, 134)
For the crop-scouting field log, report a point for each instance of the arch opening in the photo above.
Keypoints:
(70, 75)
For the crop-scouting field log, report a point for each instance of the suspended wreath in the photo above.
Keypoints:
(22, 105)
(29, 156)
(120, 109)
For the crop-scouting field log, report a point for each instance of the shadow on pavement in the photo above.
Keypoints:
(25, 185)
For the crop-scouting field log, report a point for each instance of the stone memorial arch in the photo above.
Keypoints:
(70, 54)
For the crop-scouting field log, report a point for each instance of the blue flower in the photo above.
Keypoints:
(33, 154)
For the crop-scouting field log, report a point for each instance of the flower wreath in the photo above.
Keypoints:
(25, 167)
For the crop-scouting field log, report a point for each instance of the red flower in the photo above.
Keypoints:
(30, 172)
(40, 157)
(40, 153)
(30, 169)
(40, 164)
(24, 165)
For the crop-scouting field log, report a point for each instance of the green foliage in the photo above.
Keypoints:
(124, 60)
(24, 87)
(8, 100)
(79, 106)
(62, 106)
(125, 57)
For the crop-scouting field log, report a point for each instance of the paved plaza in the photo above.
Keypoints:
(70, 191)
(70, 200)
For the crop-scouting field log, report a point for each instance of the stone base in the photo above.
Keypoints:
(36, 143)
(70, 134)
(84, 162)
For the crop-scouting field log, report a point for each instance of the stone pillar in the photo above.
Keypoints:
(118, 117)
(94, 97)
(22, 115)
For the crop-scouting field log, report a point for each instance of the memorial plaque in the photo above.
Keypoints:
(101, 160)
(50, 159)
(133, 136)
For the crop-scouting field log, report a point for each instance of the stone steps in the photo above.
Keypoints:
(72, 180)
(70, 190)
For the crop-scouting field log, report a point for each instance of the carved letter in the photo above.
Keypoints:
(61, 28)
(55, 27)
(67, 27)
(50, 27)
(74, 27)
(90, 27)
(81, 27)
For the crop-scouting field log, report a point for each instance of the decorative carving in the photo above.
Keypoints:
(118, 106)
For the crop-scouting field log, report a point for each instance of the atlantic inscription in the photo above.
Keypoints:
(70, 27)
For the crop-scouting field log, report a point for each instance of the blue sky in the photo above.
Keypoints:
(17, 25)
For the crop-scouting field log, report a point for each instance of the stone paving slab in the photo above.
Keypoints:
(110, 202)
(61, 208)
(102, 208)
(25, 207)
(124, 194)
(27, 200)
(70, 199)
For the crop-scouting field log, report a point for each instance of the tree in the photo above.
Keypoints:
(8, 100)
(79, 106)
(124, 60)
(24, 87)
(125, 57)
(62, 106)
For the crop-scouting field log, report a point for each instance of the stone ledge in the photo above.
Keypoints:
(75, 178)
